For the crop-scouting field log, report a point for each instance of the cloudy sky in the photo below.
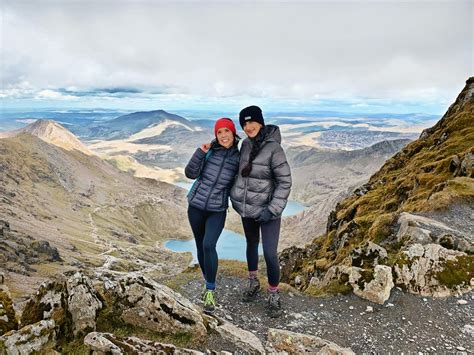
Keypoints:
(371, 56)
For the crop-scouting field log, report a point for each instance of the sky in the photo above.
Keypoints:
(358, 56)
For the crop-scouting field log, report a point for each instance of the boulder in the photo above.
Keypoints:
(286, 342)
(106, 343)
(431, 270)
(242, 339)
(378, 289)
(374, 285)
(45, 250)
(145, 303)
(411, 230)
(415, 229)
(70, 301)
(467, 165)
(30, 339)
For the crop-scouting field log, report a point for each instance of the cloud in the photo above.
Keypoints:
(419, 50)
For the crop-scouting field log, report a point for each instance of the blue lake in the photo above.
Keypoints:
(231, 245)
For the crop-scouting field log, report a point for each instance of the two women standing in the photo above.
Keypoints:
(259, 194)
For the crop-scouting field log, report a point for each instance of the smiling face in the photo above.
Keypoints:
(252, 128)
(225, 137)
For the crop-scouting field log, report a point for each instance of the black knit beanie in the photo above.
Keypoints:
(251, 113)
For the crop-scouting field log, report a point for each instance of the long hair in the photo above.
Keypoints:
(256, 145)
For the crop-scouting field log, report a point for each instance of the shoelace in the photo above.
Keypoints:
(209, 298)
(274, 299)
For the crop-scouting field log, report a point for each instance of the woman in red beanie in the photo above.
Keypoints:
(214, 167)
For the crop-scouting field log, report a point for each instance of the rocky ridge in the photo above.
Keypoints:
(402, 212)
(74, 313)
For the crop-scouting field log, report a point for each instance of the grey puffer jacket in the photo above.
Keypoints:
(269, 182)
(216, 175)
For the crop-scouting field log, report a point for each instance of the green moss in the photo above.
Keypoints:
(8, 310)
(337, 286)
(366, 277)
(73, 347)
(457, 272)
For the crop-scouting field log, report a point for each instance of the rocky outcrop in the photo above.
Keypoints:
(43, 247)
(83, 303)
(8, 320)
(106, 343)
(242, 339)
(424, 230)
(431, 270)
(19, 250)
(143, 302)
(70, 301)
(30, 339)
(286, 342)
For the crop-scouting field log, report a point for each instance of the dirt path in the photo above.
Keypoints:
(406, 323)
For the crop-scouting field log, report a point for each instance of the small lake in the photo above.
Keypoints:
(231, 245)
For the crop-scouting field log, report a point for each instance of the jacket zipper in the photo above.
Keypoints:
(215, 182)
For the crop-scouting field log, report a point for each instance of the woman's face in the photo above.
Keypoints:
(225, 137)
(252, 128)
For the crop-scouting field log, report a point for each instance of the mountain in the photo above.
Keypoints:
(52, 132)
(153, 144)
(94, 216)
(412, 220)
(127, 125)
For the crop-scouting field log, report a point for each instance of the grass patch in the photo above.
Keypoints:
(457, 272)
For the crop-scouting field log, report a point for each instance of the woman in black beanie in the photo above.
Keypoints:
(259, 195)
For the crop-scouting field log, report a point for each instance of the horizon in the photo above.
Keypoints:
(147, 55)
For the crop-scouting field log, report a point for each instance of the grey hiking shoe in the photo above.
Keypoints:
(251, 291)
(209, 301)
(274, 304)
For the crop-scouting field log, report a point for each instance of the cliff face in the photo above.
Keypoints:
(430, 176)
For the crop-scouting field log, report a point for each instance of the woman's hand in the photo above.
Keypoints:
(205, 147)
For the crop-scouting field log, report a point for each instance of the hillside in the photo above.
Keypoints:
(417, 209)
(92, 213)
(321, 178)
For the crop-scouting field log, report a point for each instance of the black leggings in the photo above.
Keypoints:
(270, 236)
(207, 227)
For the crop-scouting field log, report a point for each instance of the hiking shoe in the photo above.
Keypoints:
(250, 293)
(209, 301)
(274, 304)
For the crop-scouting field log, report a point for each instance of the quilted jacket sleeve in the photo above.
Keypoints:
(194, 167)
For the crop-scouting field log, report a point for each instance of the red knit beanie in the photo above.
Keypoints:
(224, 122)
